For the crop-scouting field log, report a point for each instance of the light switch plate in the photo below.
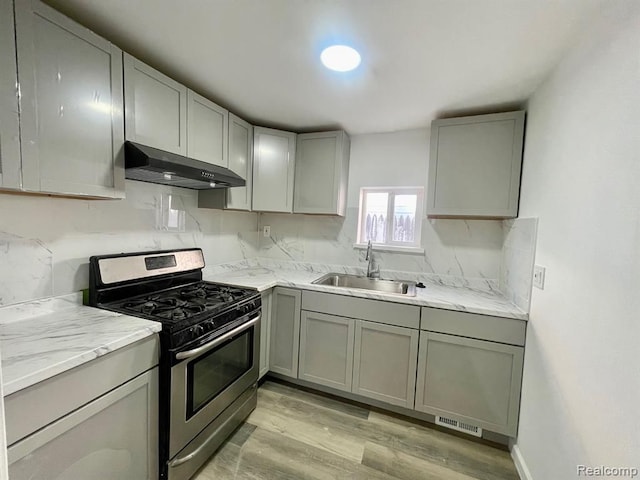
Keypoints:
(538, 276)
(266, 231)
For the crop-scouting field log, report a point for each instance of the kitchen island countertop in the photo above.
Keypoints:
(43, 338)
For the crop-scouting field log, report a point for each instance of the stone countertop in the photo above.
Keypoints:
(459, 298)
(43, 338)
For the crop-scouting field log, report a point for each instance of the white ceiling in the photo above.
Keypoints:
(420, 58)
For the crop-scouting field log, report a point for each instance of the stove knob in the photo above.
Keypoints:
(199, 329)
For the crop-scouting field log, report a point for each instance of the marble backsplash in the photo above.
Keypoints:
(469, 249)
(45, 242)
(518, 256)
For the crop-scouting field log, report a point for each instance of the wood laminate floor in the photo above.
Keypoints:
(296, 435)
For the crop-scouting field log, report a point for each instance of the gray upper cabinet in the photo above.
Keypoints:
(385, 360)
(155, 108)
(207, 130)
(274, 154)
(240, 161)
(322, 169)
(326, 350)
(285, 331)
(473, 381)
(474, 166)
(9, 122)
(71, 106)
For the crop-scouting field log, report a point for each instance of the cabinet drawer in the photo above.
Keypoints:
(484, 327)
(373, 310)
(23, 410)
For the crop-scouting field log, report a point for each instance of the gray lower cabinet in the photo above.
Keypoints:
(265, 333)
(71, 123)
(362, 346)
(474, 381)
(114, 436)
(97, 420)
(326, 350)
(384, 366)
(9, 122)
(285, 331)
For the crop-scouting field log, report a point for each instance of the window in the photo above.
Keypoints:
(391, 216)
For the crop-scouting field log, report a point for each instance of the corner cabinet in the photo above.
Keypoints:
(474, 166)
(155, 108)
(70, 108)
(274, 153)
(10, 176)
(285, 331)
(240, 162)
(207, 130)
(321, 175)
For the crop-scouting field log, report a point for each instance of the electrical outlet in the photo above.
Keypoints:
(538, 276)
(266, 231)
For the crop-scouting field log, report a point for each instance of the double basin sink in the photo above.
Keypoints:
(393, 287)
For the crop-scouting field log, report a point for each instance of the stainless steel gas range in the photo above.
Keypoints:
(209, 347)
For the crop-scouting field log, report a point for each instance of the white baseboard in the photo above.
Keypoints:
(521, 466)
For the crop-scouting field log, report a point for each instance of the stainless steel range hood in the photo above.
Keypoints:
(149, 164)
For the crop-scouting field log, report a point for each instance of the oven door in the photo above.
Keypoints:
(207, 379)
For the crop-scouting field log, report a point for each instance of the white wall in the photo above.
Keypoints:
(581, 177)
(46, 242)
(455, 248)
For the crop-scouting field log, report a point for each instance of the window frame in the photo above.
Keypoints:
(392, 192)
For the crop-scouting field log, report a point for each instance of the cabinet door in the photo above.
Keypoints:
(285, 331)
(384, 366)
(240, 162)
(9, 126)
(71, 105)
(471, 380)
(155, 108)
(265, 333)
(326, 350)
(115, 436)
(207, 125)
(274, 155)
(474, 166)
(322, 169)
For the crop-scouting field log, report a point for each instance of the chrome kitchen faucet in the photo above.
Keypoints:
(371, 273)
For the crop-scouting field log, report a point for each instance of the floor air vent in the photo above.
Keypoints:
(459, 426)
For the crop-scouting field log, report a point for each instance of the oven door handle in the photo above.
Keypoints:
(214, 343)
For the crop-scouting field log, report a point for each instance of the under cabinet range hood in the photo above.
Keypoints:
(149, 164)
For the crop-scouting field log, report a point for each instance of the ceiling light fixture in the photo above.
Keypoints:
(340, 58)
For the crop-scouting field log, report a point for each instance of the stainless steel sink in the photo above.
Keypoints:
(393, 287)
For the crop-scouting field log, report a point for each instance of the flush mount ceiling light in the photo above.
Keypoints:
(340, 58)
